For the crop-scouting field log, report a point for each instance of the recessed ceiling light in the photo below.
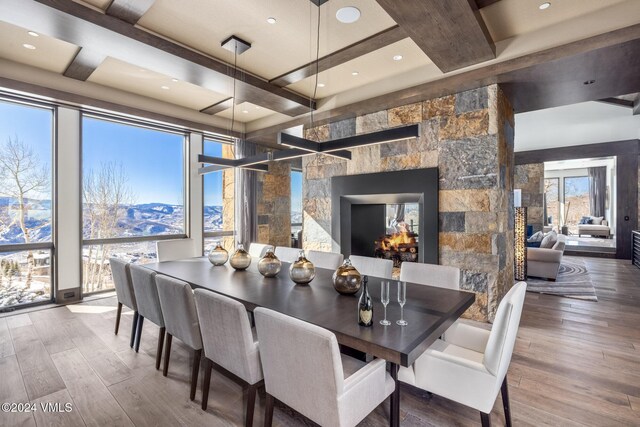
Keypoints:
(33, 34)
(397, 57)
(164, 87)
(348, 15)
(321, 84)
(28, 46)
(588, 82)
(258, 107)
(354, 73)
(271, 20)
(245, 111)
(544, 5)
(174, 80)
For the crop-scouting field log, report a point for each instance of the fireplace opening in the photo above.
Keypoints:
(400, 243)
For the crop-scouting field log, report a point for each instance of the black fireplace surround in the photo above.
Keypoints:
(358, 203)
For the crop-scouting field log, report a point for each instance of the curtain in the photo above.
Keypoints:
(597, 190)
(246, 197)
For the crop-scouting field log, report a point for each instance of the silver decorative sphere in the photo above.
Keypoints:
(240, 259)
(269, 265)
(218, 255)
(302, 270)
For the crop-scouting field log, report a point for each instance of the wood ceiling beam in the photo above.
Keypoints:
(616, 101)
(451, 33)
(510, 72)
(363, 47)
(636, 106)
(80, 25)
(218, 107)
(84, 64)
(484, 3)
(129, 10)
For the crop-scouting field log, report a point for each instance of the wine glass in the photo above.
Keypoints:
(384, 299)
(402, 299)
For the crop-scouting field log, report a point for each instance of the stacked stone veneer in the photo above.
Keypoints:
(274, 205)
(469, 137)
(530, 179)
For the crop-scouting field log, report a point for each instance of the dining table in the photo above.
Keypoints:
(428, 310)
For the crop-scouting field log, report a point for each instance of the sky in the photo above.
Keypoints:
(296, 191)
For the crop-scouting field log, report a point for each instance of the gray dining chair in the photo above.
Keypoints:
(229, 343)
(181, 320)
(146, 290)
(375, 267)
(124, 293)
(328, 260)
(257, 250)
(286, 254)
(171, 250)
(303, 368)
(441, 276)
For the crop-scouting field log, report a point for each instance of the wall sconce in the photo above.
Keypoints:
(520, 247)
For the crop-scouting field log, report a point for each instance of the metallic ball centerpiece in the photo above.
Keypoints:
(302, 270)
(346, 279)
(218, 255)
(240, 259)
(269, 265)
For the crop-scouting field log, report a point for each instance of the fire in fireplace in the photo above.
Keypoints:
(398, 247)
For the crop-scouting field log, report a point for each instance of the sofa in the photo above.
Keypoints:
(545, 263)
(597, 230)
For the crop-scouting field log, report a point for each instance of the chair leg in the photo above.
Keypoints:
(118, 314)
(133, 328)
(206, 383)
(167, 354)
(268, 411)
(251, 403)
(486, 419)
(504, 390)
(160, 344)
(197, 354)
(139, 332)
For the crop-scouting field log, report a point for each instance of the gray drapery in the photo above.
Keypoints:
(597, 190)
(246, 200)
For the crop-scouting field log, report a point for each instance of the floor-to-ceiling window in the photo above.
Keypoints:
(133, 194)
(218, 199)
(26, 203)
(576, 201)
(552, 201)
(296, 204)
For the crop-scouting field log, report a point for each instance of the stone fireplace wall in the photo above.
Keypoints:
(530, 179)
(469, 137)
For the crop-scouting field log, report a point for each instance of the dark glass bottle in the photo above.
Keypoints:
(365, 305)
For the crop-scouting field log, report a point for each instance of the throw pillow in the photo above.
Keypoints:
(584, 220)
(549, 240)
(597, 220)
(536, 237)
(590, 221)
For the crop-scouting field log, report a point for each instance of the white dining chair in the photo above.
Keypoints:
(303, 368)
(171, 250)
(442, 276)
(144, 286)
(257, 250)
(181, 320)
(121, 273)
(469, 364)
(328, 260)
(375, 267)
(286, 254)
(228, 342)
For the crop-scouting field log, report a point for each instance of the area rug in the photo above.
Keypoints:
(573, 281)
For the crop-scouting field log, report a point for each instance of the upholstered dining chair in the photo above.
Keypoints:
(286, 254)
(303, 368)
(375, 267)
(329, 260)
(181, 320)
(469, 364)
(441, 276)
(121, 273)
(228, 342)
(171, 250)
(144, 286)
(257, 250)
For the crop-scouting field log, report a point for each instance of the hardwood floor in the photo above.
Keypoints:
(575, 363)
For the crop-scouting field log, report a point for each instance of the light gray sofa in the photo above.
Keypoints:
(545, 263)
(599, 230)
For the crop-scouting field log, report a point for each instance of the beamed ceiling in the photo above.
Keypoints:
(165, 56)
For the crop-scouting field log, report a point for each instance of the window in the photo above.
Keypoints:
(296, 201)
(26, 227)
(551, 201)
(133, 194)
(218, 198)
(576, 200)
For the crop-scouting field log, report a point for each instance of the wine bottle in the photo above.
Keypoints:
(365, 305)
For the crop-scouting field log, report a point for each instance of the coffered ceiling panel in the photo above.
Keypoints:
(248, 112)
(369, 68)
(44, 52)
(276, 48)
(127, 77)
(509, 18)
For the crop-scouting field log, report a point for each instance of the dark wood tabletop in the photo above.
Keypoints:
(429, 310)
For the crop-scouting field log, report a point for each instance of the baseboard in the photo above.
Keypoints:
(67, 296)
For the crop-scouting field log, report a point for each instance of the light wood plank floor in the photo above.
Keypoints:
(575, 363)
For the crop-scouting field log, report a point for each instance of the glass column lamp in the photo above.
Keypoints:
(520, 246)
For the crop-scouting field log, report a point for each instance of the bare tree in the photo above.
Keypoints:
(22, 176)
(105, 194)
